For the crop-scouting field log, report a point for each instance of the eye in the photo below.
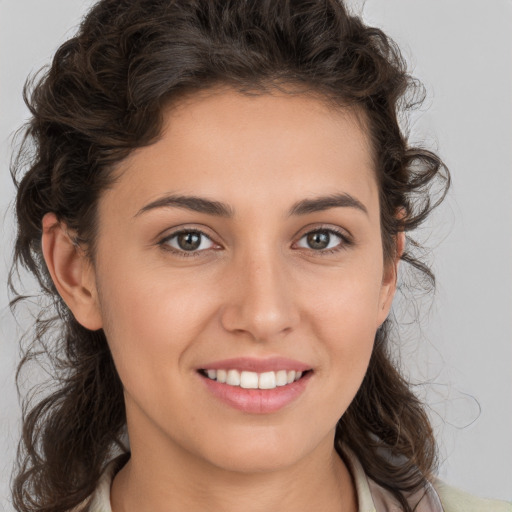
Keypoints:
(188, 241)
(322, 240)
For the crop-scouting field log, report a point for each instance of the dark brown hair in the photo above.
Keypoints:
(103, 96)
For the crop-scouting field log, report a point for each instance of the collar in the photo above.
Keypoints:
(371, 497)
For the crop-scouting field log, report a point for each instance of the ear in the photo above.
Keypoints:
(389, 279)
(71, 272)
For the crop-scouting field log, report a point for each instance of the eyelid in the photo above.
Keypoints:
(344, 235)
(167, 235)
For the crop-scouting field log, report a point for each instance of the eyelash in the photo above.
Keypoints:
(344, 243)
(164, 243)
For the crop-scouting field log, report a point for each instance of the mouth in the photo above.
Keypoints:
(256, 386)
(254, 380)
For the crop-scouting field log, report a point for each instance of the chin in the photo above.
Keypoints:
(262, 452)
(258, 461)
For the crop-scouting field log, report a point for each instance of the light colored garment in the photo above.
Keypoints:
(437, 497)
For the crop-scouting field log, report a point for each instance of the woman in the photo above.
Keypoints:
(217, 206)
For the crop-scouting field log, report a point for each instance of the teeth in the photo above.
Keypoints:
(281, 378)
(248, 380)
(233, 378)
(267, 380)
(253, 380)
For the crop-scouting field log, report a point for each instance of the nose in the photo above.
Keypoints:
(260, 301)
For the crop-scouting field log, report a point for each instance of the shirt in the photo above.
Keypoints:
(436, 497)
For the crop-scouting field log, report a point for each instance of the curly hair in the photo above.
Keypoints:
(103, 96)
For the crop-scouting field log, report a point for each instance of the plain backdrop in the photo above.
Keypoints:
(461, 353)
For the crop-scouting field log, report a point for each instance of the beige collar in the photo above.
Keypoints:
(371, 497)
(374, 498)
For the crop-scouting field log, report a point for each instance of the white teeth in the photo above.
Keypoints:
(249, 380)
(253, 380)
(233, 378)
(281, 378)
(267, 380)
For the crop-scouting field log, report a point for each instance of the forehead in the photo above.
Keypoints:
(248, 149)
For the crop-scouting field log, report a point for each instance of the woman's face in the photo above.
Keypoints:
(244, 244)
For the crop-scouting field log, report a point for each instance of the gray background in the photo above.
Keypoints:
(462, 51)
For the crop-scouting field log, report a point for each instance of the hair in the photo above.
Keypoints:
(103, 96)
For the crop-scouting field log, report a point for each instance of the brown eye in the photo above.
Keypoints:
(188, 241)
(322, 239)
(318, 240)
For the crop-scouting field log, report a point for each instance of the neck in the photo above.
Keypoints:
(172, 479)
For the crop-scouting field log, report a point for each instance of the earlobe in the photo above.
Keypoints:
(71, 272)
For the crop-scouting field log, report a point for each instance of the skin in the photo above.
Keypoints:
(255, 288)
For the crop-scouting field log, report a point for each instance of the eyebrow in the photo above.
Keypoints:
(319, 204)
(196, 204)
(218, 209)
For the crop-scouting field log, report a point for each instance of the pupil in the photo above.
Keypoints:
(318, 239)
(189, 241)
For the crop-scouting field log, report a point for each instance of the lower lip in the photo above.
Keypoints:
(258, 401)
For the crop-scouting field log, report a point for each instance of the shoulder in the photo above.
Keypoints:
(455, 500)
(436, 496)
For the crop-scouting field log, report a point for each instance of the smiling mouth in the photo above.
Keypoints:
(254, 380)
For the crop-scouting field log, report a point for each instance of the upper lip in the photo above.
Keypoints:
(257, 365)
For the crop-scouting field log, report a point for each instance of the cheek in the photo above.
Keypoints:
(348, 300)
(149, 318)
(348, 333)
(344, 314)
